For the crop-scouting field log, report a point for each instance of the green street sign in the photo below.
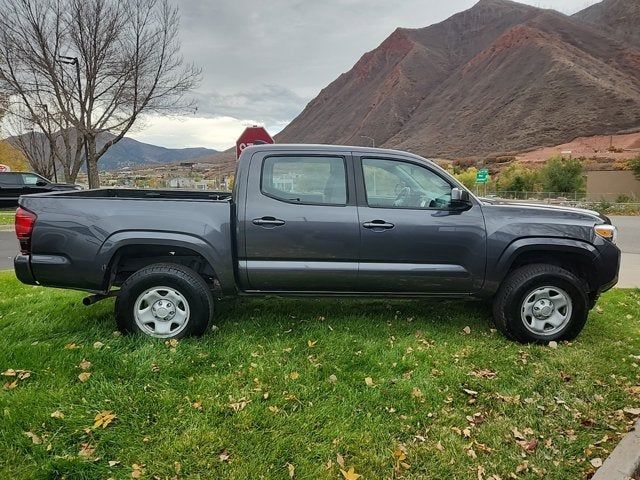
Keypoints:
(482, 176)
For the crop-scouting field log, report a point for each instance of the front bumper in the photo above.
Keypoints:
(22, 267)
(608, 268)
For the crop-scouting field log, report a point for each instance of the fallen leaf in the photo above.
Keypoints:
(416, 392)
(439, 446)
(11, 385)
(473, 393)
(368, 381)
(86, 450)
(224, 455)
(84, 364)
(57, 414)
(294, 375)
(340, 460)
(173, 343)
(9, 373)
(350, 474)
(273, 409)
(467, 330)
(103, 419)
(291, 469)
(113, 463)
(529, 445)
(98, 345)
(553, 344)
(484, 373)
(71, 346)
(333, 378)
(35, 439)
(84, 376)
(239, 405)
(632, 411)
(311, 343)
(596, 462)
(197, 405)
(137, 470)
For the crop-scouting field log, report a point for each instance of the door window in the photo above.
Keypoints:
(396, 184)
(10, 180)
(305, 180)
(30, 179)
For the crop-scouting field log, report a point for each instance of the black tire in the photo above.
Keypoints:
(183, 280)
(518, 285)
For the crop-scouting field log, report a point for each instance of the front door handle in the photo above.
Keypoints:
(375, 224)
(268, 221)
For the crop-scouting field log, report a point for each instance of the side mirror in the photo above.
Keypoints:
(460, 199)
(41, 183)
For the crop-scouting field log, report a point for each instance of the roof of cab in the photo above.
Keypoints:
(332, 148)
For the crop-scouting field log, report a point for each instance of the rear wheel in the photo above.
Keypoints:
(164, 301)
(540, 303)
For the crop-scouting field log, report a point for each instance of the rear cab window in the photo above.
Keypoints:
(307, 180)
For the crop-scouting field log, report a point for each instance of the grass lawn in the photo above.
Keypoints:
(394, 389)
(7, 217)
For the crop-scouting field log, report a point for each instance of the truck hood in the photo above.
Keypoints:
(542, 208)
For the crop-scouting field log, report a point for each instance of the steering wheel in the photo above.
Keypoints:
(403, 195)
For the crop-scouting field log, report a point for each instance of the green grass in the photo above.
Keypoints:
(7, 217)
(176, 404)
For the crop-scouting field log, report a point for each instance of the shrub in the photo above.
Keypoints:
(563, 175)
(517, 178)
(634, 166)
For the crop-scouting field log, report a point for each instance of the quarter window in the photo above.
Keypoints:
(10, 180)
(307, 180)
(396, 184)
(30, 179)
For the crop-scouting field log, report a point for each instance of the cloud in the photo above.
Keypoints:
(219, 133)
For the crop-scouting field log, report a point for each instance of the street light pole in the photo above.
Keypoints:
(76, 62)
(373, 141)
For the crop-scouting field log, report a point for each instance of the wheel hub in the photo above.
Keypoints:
(163, 309)
(543, 308)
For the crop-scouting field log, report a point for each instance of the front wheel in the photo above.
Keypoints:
(540, 303)
(164, 301)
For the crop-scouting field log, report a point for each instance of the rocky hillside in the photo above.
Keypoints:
(498, 78)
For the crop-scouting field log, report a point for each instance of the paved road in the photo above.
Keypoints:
(628, 240)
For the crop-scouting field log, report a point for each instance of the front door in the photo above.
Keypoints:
(300, 223)
(411, 241)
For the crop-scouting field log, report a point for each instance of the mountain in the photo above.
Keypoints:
(498, 78)
(132, 153)
(619, 17)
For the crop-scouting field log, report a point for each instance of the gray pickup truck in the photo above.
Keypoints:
(318, 220)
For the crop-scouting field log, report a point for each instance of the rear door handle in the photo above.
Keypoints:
(268, 221)
(375, 224)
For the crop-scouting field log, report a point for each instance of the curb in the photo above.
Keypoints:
(6, 228)
(624, 461)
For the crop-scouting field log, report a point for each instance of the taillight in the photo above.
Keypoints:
(25, 221)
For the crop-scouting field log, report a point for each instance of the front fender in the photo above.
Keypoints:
(220, 259)
(499, 267)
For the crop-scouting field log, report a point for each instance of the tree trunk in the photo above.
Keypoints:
(92, 162)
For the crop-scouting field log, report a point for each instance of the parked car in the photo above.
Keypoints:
(319, 220)
(14, 184)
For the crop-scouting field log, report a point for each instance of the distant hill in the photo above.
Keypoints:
(132, 153)
(499, 78)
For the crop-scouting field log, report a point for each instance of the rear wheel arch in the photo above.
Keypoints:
(132, 256)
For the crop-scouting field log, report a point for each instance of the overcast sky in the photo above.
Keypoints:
(263, 61)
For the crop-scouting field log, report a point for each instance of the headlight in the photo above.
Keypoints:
(608, 232)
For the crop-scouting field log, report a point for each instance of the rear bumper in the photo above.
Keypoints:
(22, 267)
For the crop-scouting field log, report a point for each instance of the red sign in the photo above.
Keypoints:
(252, 136)
(4, 168)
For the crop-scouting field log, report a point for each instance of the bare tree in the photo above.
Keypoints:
(100, 64)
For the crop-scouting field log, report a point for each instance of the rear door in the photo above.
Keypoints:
(411, 241)
(10, 189)
(300, 222)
